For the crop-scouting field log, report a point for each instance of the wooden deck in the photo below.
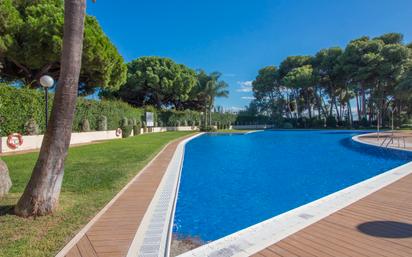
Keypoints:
(377, 225)
(113, 232)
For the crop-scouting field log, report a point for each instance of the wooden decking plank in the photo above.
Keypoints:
(280, 251)
(74, 252)
(85, 248)
(358, 246)
(299, 251)
(339, 234)
(384, 247)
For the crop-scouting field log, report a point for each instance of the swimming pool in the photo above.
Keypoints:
(230, 182)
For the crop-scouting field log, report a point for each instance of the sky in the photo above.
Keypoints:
(239, 37)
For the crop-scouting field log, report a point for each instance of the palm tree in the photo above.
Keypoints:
(210, 88)
(42, 193)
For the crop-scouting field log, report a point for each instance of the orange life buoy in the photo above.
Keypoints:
(14, 140)
(118, 132)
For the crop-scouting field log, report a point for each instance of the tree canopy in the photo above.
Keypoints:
(375, 74)
(31, 35)
(157, 81)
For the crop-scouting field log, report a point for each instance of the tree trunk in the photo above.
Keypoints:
(363, 95)
(41, 195)
(357, 105)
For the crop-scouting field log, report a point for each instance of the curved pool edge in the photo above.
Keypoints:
(358, 140)
(257, 237)
(153, 236)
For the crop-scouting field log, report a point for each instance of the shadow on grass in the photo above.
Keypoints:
(386, 229)
(6, 209)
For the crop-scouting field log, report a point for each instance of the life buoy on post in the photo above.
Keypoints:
(14, 140)
(118, 132)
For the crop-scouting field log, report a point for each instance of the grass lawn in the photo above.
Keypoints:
(93, 175)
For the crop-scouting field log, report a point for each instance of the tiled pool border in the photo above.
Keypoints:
(153, 237)
(259, 236)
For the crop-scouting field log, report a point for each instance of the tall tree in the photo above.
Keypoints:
(329, 75)
(301, 79)
(42, 193)
(31, 35)
(210, 87)
(269, 92)
(157, 81)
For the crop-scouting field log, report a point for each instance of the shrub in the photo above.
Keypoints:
(31, 128)
(207, 129)
(126, 127)
(85, 125)
(364, 122)
(102, 123)
(30, 104)
(126, 131)
(136, 130)
(144, 127)
(406, 126)
(331, 122)
(287, 125)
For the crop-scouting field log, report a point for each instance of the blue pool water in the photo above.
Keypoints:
(230, 182)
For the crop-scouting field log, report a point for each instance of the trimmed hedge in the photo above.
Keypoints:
(19, 105)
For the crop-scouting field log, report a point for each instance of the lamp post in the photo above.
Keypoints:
(46, 82)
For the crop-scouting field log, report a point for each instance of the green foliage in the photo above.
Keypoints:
(126, 127)
(331, 122)
(374, 74)
(137, 129)
(157, 81)
(287, 125)
(17, 106)
(208, 129)
(31, 42)
(85, 125)
(102, 123)
(31, 127)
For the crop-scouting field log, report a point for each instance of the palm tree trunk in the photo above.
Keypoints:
(42, 193)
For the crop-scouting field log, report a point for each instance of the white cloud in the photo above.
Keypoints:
(248, 97)
(245, 86)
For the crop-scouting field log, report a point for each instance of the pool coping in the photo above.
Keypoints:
(359, 140)
(153, 236)
(257, 237)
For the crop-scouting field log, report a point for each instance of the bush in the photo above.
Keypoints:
(207, 129)
(406, 126)
(287, 125)
(331, 122)
(136, 130)
(102, 123)
(31, 128)
(364, 123)
(126, 127)
(18, 105)
(127, 131)
(85, 125)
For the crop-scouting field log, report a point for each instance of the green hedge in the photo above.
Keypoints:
(17, 106)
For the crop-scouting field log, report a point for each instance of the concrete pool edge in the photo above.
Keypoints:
(154, 232)
(259, 236)
(359, 140)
